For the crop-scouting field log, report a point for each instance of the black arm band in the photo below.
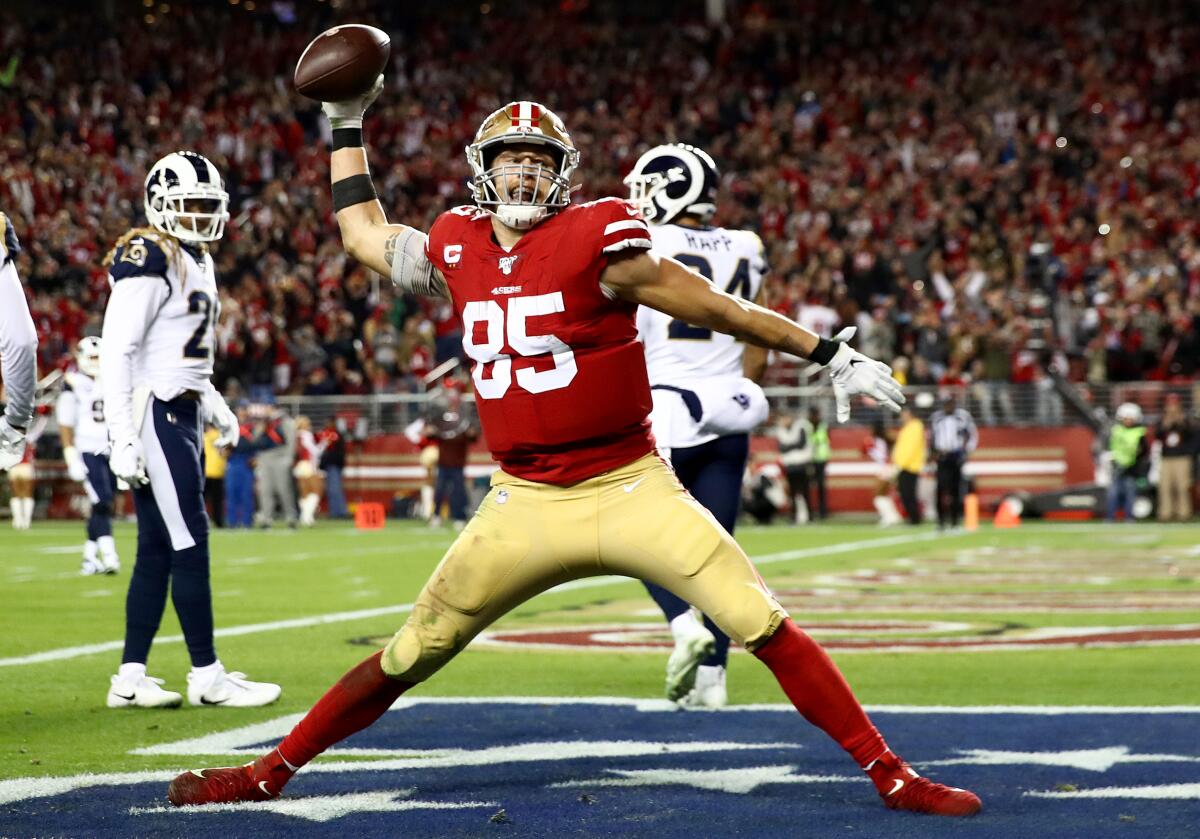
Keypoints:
(356, 189)
(824, 352)
(347, 138)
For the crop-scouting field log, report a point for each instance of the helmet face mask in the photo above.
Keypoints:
(541, 191)
(186, 198)
(674, 180)
(87, 356)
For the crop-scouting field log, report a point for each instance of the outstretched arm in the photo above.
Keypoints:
(754, 358)
(393, 250)
(669, 287)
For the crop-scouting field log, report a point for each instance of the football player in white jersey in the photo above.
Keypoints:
(18, 357)
(702, 382)
(80, 413)
(156, 361)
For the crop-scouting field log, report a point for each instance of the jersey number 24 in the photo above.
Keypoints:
(739, 286)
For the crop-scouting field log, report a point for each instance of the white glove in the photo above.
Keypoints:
(853, 373)
(128, 462)
(349, 112)
(76, 468)
(12, 445)
(844, 335)
(222, 419)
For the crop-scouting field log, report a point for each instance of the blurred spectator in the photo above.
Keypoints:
(962, 218)
(908, 456)
(1177, 439)
(452, 428)
(239, 475)
(275, 454)
(214, 477)
(333, 461)
(795, 435)
(1128, 448)
(822, 451)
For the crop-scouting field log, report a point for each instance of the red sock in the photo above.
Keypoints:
(357, 700)
(819, 691)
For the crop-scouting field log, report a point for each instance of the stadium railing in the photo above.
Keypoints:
(991, 404)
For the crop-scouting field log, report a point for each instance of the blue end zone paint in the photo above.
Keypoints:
(538, 808)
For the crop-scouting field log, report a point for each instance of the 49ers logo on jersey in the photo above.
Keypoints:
(486, 327)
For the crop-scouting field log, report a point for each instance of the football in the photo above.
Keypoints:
(342, 62)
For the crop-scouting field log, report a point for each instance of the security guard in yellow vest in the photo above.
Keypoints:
(820, 459)
(1128, 449)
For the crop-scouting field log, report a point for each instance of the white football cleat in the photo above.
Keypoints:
(709, 691)
(141, 692)
(693, 644)
(230, 690)
(91, 566)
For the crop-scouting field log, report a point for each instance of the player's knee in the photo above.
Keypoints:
(423, 646)
(102, 510)
(765, 624)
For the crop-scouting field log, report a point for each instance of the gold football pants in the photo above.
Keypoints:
(527, 537)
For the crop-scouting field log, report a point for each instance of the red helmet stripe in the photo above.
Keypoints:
(526, 115)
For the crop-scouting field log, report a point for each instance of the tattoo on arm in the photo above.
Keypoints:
(389, 248)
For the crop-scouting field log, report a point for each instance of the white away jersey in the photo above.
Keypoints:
(158, 326)
(731, 259)
(81, 407)
(679, 355)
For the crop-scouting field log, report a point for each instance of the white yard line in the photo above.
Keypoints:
(64, 653)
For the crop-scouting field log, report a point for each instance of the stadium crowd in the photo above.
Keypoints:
(986, 190)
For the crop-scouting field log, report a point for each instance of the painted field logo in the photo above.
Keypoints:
(609, 767)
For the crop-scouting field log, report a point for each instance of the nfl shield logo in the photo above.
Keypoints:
(506, 264)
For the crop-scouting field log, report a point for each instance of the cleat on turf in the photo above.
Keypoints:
(691, 648)
(143, 692)
(230, 690)
(709, 691)
(901, 788)
(93, 566)
(220, 786)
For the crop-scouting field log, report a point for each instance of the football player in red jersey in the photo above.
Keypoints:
(547, 293)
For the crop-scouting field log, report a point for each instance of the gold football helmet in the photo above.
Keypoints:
(521, 122)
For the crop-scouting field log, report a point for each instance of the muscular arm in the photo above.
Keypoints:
(393, 250)
(754, 359)
(669, 287)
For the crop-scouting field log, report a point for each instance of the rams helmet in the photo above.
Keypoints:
(186, 198)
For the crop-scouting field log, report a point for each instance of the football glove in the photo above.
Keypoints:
(12, 445)
(854, 373)
(349, 112)
(222, 419)
(76, 469)
(128, 462)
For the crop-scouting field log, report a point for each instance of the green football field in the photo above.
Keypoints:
(1071, 614)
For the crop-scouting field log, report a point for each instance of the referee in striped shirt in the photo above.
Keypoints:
(953, 437)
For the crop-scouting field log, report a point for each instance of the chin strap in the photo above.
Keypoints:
(521, 216)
